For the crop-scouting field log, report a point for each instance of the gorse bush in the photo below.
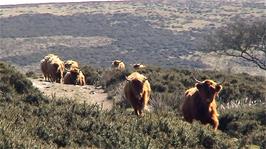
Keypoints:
(92, 75)
(30, 120)
(14, 82)
(247, 123)
(31, 74)
(65, 124)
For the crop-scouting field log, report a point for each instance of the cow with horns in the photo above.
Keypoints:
(137, 91)
(200, 103)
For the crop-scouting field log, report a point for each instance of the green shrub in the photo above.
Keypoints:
(31, 74)
(92, 75)
(11, 77)
(247, 123)
(35, 98)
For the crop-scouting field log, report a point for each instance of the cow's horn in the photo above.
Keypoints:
(195, 78)
(127, 78)
(221, 83)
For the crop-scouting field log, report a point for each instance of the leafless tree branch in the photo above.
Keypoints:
(242, 38)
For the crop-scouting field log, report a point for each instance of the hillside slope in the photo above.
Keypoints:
(29, 119)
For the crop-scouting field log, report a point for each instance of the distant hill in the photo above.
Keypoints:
(161, 33)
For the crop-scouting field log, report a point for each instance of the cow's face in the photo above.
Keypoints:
(74, 71)
(138, 88)
(208, 90)
(74, 75)
(67, 65)
(116, 63)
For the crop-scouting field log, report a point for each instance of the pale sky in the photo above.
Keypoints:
(13, 2)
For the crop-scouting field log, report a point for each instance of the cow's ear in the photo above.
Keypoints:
(218, 88)
(145, 79)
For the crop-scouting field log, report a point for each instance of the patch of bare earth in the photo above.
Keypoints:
(81, 94)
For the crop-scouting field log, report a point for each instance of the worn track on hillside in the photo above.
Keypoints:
(81, 94)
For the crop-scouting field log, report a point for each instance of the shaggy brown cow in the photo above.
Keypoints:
(71, 64)
(44, 70)
(55, 69)
(75, 77)
(138, 66)
(200, 103)
(46, 64)
(137, 92)
(118, 65)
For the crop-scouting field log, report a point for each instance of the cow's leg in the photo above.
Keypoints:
(187, 116)
(145, 100)
(215, 122)
(141, 113)
(190, 120)
(136, 111)
(214, 118)
(44, 77)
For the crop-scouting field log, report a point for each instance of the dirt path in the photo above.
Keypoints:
(80, 94)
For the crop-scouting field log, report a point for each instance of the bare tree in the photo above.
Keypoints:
(241, 37)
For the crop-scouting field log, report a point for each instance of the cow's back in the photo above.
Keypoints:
(189, 107)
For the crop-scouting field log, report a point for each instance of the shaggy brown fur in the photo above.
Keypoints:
(200, 103)
(75, 77)
(137, 92)
(44, 63)
(52, 68)
(55, 69)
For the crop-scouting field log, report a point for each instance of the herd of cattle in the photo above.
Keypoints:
(199, 101)
(56, 70)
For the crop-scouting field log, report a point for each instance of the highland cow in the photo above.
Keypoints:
(200, 103)
(137, 91)
(118, 65)
(75, 77)
(52, 68)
